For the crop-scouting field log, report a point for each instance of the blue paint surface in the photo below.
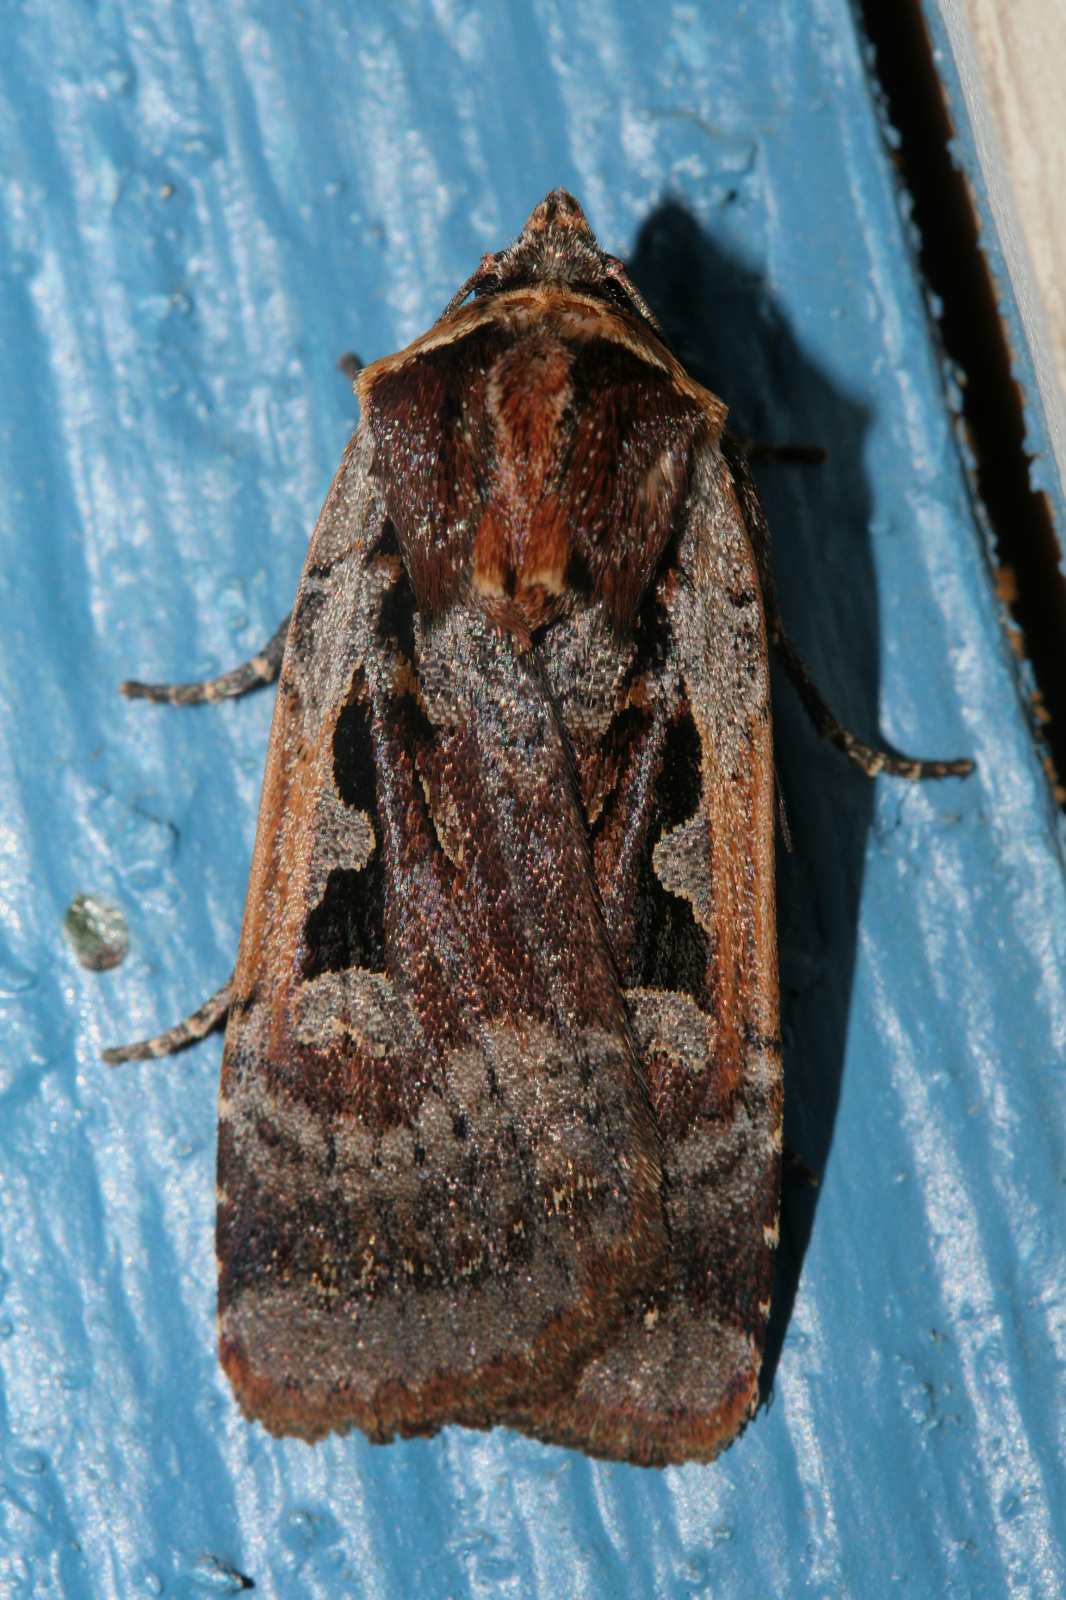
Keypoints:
(201, 206)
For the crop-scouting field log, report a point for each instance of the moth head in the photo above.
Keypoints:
(557, 246)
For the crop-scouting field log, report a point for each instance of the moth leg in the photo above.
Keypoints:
(261, 669)
(210, 1017)
(826, 726)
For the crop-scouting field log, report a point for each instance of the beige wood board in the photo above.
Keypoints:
(1011, 58)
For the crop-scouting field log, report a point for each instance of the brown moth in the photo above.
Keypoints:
(500, 1115)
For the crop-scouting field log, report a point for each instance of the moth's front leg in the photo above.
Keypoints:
(263, 668)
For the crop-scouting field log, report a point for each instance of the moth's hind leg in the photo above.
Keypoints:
(210, 1017)
(871, 761)
(263, 668)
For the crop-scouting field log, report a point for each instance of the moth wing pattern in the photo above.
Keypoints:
(682, 1376)
(438, 1185)
(500, 1115)
(501, 1104)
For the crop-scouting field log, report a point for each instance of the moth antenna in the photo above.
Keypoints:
(262, 669)
(484, 270)
(616, 270)
(210, 1017)
(826, 726)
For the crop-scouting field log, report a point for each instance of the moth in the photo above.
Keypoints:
(499, 1132)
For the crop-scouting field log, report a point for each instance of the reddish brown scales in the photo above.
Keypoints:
(535, 448)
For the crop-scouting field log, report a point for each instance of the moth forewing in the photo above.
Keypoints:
(439, 1177)
(683, 1375)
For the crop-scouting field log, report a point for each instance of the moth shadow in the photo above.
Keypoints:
(731, 335)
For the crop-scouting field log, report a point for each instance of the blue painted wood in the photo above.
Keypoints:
(201, 206)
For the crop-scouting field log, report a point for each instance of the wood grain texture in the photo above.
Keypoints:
(1010, 56)
(1021, 51)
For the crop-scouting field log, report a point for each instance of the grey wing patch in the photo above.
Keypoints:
(586, 668)
(682, 860)
(328, 635)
